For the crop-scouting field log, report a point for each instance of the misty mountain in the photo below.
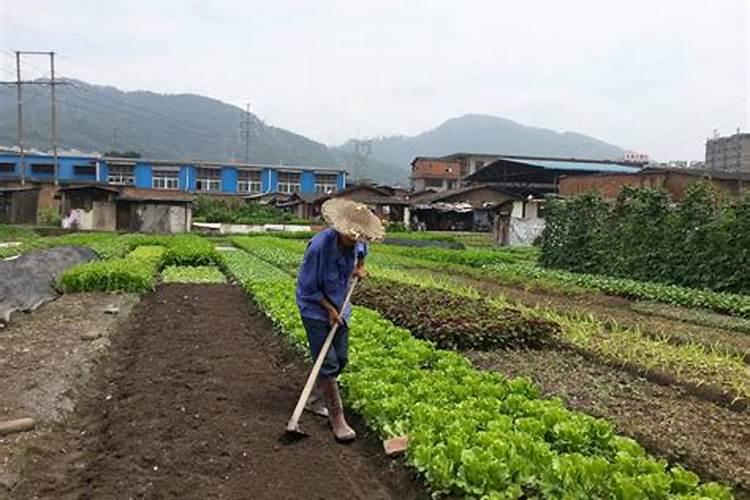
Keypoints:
(93, 118)
(483, 134)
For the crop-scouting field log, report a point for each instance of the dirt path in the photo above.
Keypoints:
(707, 438)
(193, 405)
(46, 358)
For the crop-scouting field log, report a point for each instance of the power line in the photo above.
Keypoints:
(144, 114)
(725, 106)
(19, 84)
(147, 113)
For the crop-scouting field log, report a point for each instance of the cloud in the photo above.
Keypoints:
(628, 72)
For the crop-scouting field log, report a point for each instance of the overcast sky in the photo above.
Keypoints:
(654, 76)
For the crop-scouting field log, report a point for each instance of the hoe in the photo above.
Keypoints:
(293, 427)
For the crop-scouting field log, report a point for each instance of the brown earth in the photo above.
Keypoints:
(193, 404)
(46, 357)
(707, 438)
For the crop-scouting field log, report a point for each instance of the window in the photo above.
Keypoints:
(165, 179)
(121, 175)
(325, 183)
(7, 168)
(208, 179)
(42, 169)
(433, 183)
(289, 182)
(84, 170)
(248, 181)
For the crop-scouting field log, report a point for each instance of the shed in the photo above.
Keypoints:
(18, 205)
(154, 211)
(89, 207)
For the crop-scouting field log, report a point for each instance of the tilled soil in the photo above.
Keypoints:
(46, 358)
(193, 405)
(707, 438)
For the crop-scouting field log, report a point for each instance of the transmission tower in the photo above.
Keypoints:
(362, 151)
(245, 126)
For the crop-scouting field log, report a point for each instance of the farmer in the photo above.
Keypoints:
(332, 258)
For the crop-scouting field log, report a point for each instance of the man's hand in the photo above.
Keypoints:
(333, 314)
(334, 317)
(360, 271)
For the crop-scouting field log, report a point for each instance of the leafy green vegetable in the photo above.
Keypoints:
(189, 274)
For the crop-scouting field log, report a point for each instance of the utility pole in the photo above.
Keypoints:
(53, 117)
(245, 131)
(19, 118)
(19, 83)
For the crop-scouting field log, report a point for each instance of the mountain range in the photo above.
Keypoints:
(94, 118)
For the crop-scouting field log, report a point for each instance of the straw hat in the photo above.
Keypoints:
(353, 219)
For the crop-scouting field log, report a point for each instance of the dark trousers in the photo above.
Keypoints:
(338, 355)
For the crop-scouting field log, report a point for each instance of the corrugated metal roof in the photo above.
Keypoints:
(580, 166)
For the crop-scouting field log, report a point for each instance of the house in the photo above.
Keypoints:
(18, 205)
(302, 205)
(106, 208)
(428, 172)
(382, 200)
(674, 180)
(460, 169)
(472, 208)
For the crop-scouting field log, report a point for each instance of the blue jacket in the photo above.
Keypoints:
(325, 272)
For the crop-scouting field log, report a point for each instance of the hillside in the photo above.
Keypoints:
(183, 126)
(94, 118)
(486, 134)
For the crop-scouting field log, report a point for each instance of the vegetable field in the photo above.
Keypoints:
(510, 380)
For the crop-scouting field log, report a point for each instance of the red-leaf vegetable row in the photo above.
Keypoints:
(453, 321)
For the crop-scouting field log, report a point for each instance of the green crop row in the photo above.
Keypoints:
(192, 274)
(737, 305)
(285, 254)
(696, 316)
(453, 321)
(474, 257)
(190, 250)
(473, 433)
(134, 273)
(692, 364)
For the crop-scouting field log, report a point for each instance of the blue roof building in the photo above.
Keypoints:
(189, 176)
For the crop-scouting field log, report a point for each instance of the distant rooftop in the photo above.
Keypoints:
(575, 164)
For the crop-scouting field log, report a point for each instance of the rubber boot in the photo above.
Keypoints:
(315, 403)
(341, 429)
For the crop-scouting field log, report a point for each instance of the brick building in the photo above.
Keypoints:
(675, 181)
(439, 174)
(729, 154)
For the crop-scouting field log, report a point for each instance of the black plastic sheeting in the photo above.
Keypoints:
(29, 280)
